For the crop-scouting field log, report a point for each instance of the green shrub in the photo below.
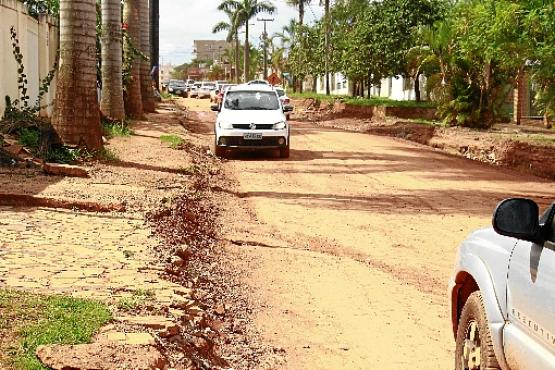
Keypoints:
(173, 141)
(116, 128)
(29, 138)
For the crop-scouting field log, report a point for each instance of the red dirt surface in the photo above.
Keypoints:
(346, 248)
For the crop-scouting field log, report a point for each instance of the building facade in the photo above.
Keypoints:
(38, 42)
(210, 49)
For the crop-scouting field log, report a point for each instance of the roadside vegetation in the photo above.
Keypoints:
(473, 53)
(137, 300)
(116, 128)
(173, 141)
(29, 320)
(362, 101)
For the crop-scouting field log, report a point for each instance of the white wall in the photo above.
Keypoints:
(399, 88)
(38, 41)
(395, 88)
(339, 85)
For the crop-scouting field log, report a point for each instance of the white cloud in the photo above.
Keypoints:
(182, 21)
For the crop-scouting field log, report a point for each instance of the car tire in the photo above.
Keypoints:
(284, 152)
(473, 332)
(219, 151)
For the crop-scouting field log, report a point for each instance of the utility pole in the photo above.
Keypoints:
(265, 40)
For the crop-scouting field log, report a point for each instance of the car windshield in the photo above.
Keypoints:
(251, 100)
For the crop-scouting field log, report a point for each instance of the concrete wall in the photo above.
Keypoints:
(339, 85)
(395, 88)
(38, 40)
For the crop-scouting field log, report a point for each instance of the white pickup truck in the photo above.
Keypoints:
(502, 292)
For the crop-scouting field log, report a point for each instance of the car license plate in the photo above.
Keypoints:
(252, 136)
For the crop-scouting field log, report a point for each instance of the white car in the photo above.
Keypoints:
(283, 97)
(502, 292)
(251, 117)
(205, 89)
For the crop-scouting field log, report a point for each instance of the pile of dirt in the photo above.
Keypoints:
(484, 146)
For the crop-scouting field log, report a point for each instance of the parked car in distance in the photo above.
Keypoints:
(205, 89)
(192, 91)
(258, 82)
(219, 83)
(251, 117)
(217, 95)
(283, 98)
(502, 292)
(177, 87)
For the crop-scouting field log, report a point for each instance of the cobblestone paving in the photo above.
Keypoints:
(106, 256)
(100, 256)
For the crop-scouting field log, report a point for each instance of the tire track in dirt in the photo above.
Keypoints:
(366, 230)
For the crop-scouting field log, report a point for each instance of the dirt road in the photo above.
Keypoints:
(347, 247)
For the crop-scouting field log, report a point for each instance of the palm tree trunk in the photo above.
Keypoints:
(76, 116)
(146, 82)
(154, 6)
(237, 57)
(546, 122)
(301, 12)
(134, 102)
(327, 46)
(246, 54)
(111, 104)
(417, 94)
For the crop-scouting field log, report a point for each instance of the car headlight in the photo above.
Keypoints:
(280, 125)
(225, 125)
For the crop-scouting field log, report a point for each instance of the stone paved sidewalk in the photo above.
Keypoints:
(100, 256)
(103, 256)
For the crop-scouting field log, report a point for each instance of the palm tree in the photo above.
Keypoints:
(287, 34)
(288, 39)
(232, 29)
(327, 44)
(134, 101)
(111, 104)
(76, 116)
(246, 10)
(300, 4)
(144, 35)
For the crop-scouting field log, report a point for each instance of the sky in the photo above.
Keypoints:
(182, 21)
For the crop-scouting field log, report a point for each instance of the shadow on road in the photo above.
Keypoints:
(437, 202)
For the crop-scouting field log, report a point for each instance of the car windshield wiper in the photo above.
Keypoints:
(257, 108)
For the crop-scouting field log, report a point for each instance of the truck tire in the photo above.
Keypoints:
(474, 337)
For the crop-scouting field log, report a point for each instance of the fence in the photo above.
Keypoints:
(38, 40)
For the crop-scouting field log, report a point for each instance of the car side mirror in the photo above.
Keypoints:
(215, 108)
(287, 108)
(518, 218)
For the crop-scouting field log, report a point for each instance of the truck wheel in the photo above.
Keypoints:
(284, 152)
(474, 345)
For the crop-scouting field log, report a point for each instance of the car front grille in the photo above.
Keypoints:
(258, 127)
(240, 142)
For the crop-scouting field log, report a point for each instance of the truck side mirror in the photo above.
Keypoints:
(518, 218)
